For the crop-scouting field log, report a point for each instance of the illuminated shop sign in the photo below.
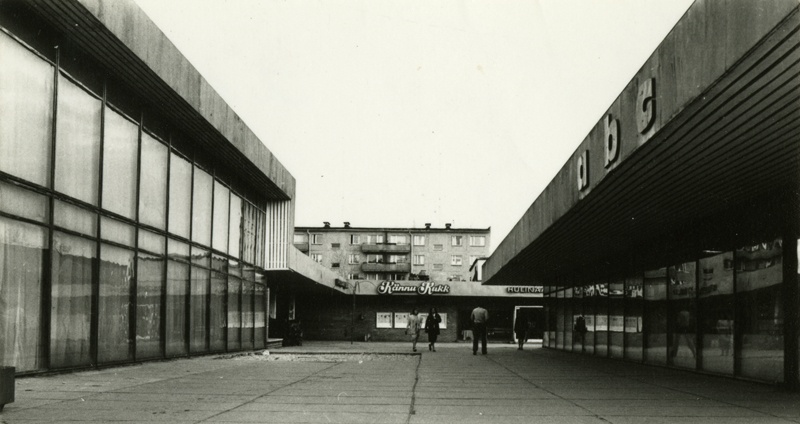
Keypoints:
(612, 137)
(525, 289)
(391, 287)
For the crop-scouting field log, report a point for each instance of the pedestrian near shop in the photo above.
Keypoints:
(479, 318)
(521, 326)
(413, 328)
(432, 328)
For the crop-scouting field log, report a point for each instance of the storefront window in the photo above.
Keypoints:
(682, 312)
(633, 318)
(153, 184)
(234, 313)
(601, 319)
(655, 316)
(199, 312)
(22, 248)
(235, 234)
(180, 195)
(116, 231)
(260, 306)
(577, 312)
(26, 99)
(218, 312)
(74, 218)
(21, 202)
(759, 274)
(177, 286)
(201, 207)
(589, 302)
(221, 212)
(120, 153)
(149, 282)
(116, 279)
(616, 318)
(78, 142)
(568, 307)
(247, 314)
(560, 315)
(70, 323)
(716, 313)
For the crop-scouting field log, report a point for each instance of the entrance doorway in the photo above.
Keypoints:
(535, 316)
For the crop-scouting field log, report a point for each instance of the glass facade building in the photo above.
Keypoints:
(122, 237)
(673, 228)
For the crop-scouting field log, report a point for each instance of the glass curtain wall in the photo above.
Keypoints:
(118, 193)
(716, 312)
(634, 304)
(655, 316)
(577, 311)
(759, 274)
(682, 315)
(616, 318)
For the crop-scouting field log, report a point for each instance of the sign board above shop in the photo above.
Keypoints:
(450, 289)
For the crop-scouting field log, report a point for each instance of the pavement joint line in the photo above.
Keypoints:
(411, 410)
(685, 392)
(548, 391)
(273, 391)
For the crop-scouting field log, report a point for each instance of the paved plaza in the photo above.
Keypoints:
(327, 382)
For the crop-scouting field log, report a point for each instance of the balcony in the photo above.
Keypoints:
(303, 247)
(386, 248)
(385, 267)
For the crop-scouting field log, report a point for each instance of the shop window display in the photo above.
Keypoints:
(655, 316)
(589, 306)
(716, 313)
(633, 318)
(616, 318)
(683, 315)
(600, 294)
(759, 274)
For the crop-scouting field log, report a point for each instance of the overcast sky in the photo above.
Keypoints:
(400, 112)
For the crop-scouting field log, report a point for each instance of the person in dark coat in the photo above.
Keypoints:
(432, 328)
(521, 329)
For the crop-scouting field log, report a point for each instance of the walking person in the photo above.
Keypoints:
(479, 318)
(580, 331)
(432, 328)
(413, 328)
(521, 326)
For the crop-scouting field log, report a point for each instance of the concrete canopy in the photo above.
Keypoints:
(710, 123)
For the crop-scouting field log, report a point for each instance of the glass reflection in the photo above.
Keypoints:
(74, 218)
(655, 316)
(198, 310)
(116, 231)
(18, 201)
(218, 312)
(578, 320)
(180, 195)
(260, 302)
(616, 318)
(26, 99)
(248, 293)
(77, 142)
(235, 235)
(601, 319)
(221, 210)
(758, 287)
(70, 323)
(177, 286)
(589, 301)
(634, 292)
(153, 183)
(116, 279)
(149, 284)
(234, 313)
(715, 301)
(568, 305)
(201, 207)
(120, 152)
(22, 248)
(683, 352)
(560, 319)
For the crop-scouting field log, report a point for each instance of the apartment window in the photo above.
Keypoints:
(438, 267)
(300, 238)
(419, 240)
(398, 239)
(354, 276)
(335, 265)
(456, 277)
(419, 259)
(316, 257)
(396, 277)
(456, 240)
(438, 247)
(455, 260)
(316, 238)
(353, 259)
(398, 259)
(335, 245)
(477, 240)
(355, 239)
(375, 259)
